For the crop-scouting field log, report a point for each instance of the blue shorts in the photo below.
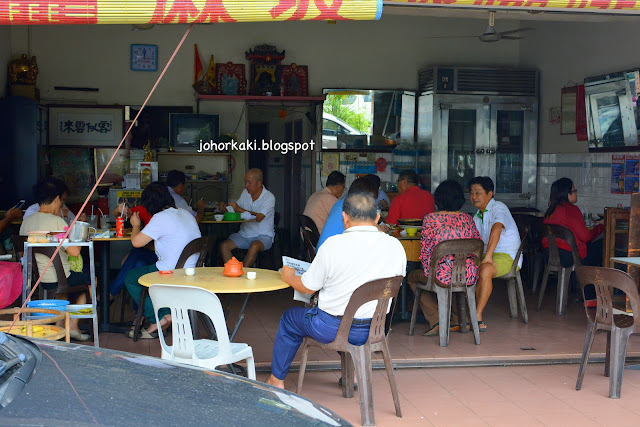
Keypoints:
(243, 243)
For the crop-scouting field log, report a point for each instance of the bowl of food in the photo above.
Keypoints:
(231, 216)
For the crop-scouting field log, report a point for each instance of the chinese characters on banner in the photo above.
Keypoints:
(79, 126)
(68, 127)
(625, 173)
(96, 126)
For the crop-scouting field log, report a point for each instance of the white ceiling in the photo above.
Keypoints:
(503, 14)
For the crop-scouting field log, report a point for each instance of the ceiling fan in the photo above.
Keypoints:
(490, 34)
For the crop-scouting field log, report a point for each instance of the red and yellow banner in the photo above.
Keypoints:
(47, 12)
(610, 6)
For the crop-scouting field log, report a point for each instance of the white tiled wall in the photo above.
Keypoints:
(590, 173)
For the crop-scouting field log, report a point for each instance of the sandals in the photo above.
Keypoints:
(435, 330)
(79, 336)
(482, 326)
(143, 334)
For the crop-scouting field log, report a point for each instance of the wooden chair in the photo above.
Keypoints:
(202, 246)
(381, 290)
(552, 233)
(514, 283)
(461, 249)
(618, 326)
(309, 235)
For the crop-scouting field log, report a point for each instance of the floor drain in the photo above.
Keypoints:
(527, 348)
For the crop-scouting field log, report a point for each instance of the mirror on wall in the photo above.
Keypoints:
(367, 119)
(612, 111)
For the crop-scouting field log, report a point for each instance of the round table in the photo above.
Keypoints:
(211, 278)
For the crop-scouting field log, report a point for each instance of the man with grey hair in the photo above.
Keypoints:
(344, 263)
(255, 236)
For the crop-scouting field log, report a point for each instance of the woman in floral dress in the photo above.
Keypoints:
(447, 223)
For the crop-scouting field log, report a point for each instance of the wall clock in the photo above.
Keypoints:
(144, 57)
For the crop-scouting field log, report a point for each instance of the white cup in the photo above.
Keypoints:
(251, 275)
(189, 271)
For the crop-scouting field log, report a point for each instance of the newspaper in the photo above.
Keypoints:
(300, 267)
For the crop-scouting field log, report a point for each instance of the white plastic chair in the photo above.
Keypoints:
(204, 353)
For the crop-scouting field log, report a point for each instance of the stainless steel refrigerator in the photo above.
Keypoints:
(480, 121)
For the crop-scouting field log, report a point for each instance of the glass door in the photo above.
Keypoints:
(508, 143)
(510, 137)
(464, 133)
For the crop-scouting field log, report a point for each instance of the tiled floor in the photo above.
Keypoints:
(445, 391)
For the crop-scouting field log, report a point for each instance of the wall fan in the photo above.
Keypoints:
(490, 34)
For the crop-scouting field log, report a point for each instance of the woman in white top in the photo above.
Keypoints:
(48, 219)
(170, 229)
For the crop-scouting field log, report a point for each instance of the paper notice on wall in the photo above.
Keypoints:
(625, 173)
(617, 174)
(631, 173)
(330, 163)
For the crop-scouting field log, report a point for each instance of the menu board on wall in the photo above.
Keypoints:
(625, 173)
(631, 173)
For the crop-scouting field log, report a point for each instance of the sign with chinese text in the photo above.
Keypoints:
(88, 126)
(55, 12)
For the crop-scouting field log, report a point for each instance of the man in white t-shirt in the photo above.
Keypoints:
(501, 240)
(171, 229)
(176, 184)
(344, 262)
(255, 236)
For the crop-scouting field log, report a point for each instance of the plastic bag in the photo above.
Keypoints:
(10, 282)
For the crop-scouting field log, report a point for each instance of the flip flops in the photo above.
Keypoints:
(435, 330)
(79, 336)
(144, 334)
(482, 326)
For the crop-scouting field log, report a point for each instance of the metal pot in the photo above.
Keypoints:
(80, 232)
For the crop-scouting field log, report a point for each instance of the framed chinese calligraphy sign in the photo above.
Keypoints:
(95, 126)
(295, 80)
(231, 79)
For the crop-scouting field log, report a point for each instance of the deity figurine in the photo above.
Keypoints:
(148, 152)
(23, 70)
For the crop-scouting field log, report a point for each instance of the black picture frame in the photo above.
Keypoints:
(188, 130)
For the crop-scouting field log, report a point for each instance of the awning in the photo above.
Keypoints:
(51, 12)
(572, 6)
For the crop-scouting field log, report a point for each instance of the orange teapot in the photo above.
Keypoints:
(233, 268)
